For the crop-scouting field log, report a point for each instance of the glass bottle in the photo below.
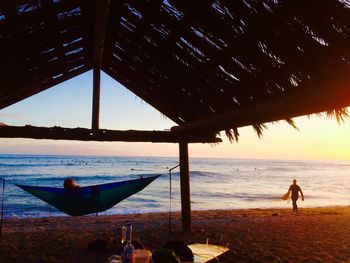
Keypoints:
(128, 252)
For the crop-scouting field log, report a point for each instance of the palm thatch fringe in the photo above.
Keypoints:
(339, 114)
(216, 134)
(292, 123)
(259, 127)
(232, 134)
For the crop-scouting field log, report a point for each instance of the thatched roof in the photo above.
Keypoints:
(205, 64)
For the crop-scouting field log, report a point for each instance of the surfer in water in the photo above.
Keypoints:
(295, 189)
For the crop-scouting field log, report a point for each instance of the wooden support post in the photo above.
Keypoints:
(96, 99)
(185, 188)
(102, 11)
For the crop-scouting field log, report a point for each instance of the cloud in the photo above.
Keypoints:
(9, 115)
(31, 146)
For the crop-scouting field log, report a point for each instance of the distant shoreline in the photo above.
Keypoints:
(176, 156)
(238, 212)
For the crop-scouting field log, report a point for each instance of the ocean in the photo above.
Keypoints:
(215, 183)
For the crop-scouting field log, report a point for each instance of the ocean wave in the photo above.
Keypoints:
(32, 208)
(280, 169)
(141, 200)
(253, 198)
(238, 196)
(205, 174)
(137, 169)
(24, 165)
(195, 173)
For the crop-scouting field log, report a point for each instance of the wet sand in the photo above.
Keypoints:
(254, 235)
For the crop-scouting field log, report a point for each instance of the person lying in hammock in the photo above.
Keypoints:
(70, 184)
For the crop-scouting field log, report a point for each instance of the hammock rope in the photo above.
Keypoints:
(170, 190)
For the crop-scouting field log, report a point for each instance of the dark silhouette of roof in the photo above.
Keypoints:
(206, 64)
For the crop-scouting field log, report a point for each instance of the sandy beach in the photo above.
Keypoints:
(254, 235)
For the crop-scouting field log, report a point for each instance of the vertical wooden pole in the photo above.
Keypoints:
(185, 188)
(96, 99)
(102, 12)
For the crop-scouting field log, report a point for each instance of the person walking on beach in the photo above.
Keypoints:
(295, 189)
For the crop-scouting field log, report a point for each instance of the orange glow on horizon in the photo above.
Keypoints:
(318, 139)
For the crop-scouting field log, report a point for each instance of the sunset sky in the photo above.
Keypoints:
(69, 105)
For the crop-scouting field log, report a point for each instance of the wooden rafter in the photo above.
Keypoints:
(102, 11)
(82, 134)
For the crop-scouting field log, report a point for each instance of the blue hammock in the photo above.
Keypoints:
(89, 199)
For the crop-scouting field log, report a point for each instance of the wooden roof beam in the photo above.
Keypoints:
(332, 95)
(83, 134)
(102, 11)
